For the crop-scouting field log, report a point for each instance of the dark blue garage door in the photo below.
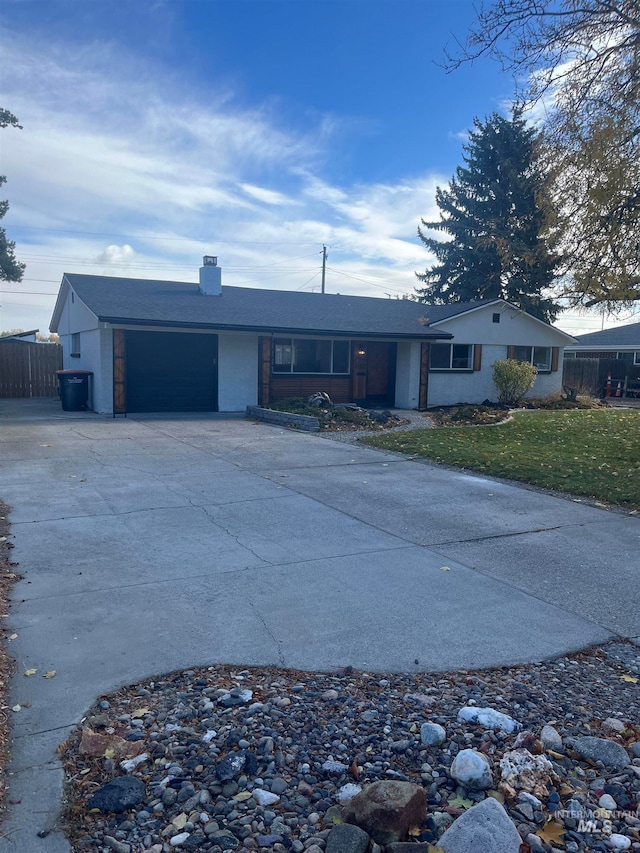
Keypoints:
(171, 372)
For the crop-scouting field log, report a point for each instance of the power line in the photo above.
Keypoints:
(171, 239)
(307, 282)
(371, 283)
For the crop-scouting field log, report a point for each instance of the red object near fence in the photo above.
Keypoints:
(607, 392)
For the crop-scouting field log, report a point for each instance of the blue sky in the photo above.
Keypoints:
(257, 130)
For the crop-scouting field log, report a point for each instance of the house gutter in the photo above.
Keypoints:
(271, 330)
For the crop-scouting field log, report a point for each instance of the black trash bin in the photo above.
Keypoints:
(74, 389)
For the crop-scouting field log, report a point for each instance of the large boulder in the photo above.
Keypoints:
(387, 810)
(485, 828)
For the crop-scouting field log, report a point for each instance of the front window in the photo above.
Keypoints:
(309, 355)
(538, 356)
(75, 345)
(636, 357)
(451, 357)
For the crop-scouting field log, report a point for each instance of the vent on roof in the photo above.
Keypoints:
(210, 276)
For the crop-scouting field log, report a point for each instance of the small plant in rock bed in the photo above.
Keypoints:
(556, 402)
(468, 415)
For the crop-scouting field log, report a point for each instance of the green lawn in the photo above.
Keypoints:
(594, 453)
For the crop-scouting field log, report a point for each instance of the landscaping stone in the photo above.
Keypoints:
(472, 770)
(484, 828)
(347, 838)
(550, 738)
(488, 719)
(118, 795)
(387, 809)
(432, 734)
(610, 753)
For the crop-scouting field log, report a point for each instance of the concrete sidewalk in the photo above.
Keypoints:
(156, 543)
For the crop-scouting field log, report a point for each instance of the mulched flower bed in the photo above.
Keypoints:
(259, 758)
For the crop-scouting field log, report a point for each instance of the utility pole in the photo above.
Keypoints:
(324, 265)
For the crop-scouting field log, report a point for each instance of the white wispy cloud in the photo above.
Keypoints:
(157, 176)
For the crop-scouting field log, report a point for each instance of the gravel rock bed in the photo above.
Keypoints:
(221, 758)
(416, 420)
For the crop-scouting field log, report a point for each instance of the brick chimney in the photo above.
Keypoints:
(210, 276)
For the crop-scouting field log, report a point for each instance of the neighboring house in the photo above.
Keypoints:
(620, 343)
(175, 346)
(22, 336)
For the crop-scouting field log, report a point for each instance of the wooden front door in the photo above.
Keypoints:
(374, 375)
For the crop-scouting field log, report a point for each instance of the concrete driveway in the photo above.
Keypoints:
(151, 544)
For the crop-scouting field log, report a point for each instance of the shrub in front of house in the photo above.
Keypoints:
(513, 379)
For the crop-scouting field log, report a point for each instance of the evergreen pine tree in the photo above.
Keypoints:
(10, 268)
(493, 212)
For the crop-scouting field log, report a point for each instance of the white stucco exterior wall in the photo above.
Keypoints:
(96, 351)
(237, 372)
(477, 327)
(407, 375)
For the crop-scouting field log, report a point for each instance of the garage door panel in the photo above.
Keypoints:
(171, 372)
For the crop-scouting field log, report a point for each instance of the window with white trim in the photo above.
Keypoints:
(538, 356)
(311, 355)
(75, 345)
(451, 357)
(636, 357)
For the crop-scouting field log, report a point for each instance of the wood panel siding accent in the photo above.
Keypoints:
(511, 351)
(28, 369)
(119, 373)
(264, 374)
(477, 357)
(555, 357)
(337, 387)
(424, 376)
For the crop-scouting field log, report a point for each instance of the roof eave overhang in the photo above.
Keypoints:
(276, 330)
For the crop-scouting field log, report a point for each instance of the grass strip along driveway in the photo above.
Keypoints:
(594, 453)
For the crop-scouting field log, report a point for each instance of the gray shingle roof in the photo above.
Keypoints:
(623, 336)
(150, 302)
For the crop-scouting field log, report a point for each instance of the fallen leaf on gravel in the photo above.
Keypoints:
(354, 770)
(139, 713)
(551, 832)
(50, 674)
(29, 672)
(16, 708)
(629, 678)
(460, 803)
(242, 796)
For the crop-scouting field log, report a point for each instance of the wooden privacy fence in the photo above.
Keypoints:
(28, 369)
(589, 375)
